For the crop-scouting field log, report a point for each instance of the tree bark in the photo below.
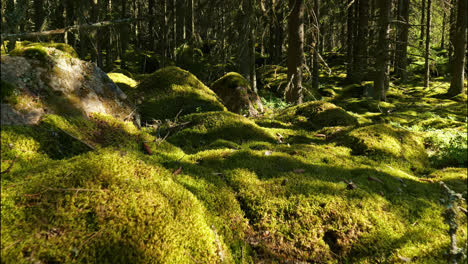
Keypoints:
(39, 15)
(316, 39)
(460, 46)
(402, 40)
(428, 44)
(360, 57)
(350, 41)
(295, 51)
(423, 21)
(381, 81)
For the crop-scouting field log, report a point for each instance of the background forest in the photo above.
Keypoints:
(252, 131)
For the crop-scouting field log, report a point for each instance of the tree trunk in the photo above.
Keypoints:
(460, 46)
(428, 44)
(402, 40)
(295, 51)
(423, 21)
(381, 81)
(444, 22)
(360, 64)
(247, 48)
(350, 41)
(316, 39)
(452, 31)
(180, 21)
(38, 15)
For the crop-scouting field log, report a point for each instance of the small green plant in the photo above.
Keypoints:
(449, 148)
(274, 102)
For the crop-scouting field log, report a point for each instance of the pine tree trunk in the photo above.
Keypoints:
(38, 15)
(428, 39)
(295, 51)
(360, 64)
(460, 46)
(402, 41)
(350, 41)
(382, 57)
(423, 22)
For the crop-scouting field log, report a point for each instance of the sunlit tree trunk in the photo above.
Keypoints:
(381, 81)
(402, 40)
(428, 44)
(460, 46)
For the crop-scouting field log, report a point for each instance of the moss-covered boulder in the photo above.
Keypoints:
(237, 95)
(124, 81)
(273, 78)
(316, 115)
(213, 128)
(49, 80)
(384, 141)
(170, 90)
(104, 207)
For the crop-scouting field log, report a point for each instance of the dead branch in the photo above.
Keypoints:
(11, 165)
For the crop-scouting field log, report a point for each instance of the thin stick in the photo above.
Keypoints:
(11, 165)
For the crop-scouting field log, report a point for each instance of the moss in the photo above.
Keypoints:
(384, 141)
(128, 212)
(123, 71)
(126, 83)
(365, 105)
(7, 90)
(168, 91)
(316, 115)
(273, 78)
(60, 46)
(237, 95)
(208, 128)
(32, 52)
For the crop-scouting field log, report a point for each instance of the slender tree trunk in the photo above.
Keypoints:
(360, 64)
(316, 44)
(350, 42)
(124, 34)
(295, 51)
(428, 43)
(452, 31)
(444, 22)
(423, 22)
(402, 40)
(39, 15)
(381, 81)
(180, 21)
(460, 46)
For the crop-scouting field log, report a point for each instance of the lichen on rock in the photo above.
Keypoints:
(49, 80)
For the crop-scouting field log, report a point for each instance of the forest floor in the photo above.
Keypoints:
(280, 188)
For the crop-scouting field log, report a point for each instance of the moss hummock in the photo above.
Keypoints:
(316, 115)
(237, 95)
(170, 90)
(209, 128)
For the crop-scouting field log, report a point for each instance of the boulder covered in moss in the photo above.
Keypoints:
(273, 78)
(49, 80)
(172, 91)
(385, 141)
(237, 95)
(208, 129)
(124, 81)
(316, 115)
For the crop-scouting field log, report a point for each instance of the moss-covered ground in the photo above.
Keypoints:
(337, 181)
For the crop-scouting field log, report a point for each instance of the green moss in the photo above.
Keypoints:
(384, 141)
(126, 83)
(127, 212)
(7, 90)
(33, 52)
(273, 78)
(207, 128)
(168, 91)
(123, 71)
(230, 80)
(316, 115)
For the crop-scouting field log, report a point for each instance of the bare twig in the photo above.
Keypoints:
(11, 165)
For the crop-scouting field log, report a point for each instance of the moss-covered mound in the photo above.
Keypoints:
(385, 141)
(125, 82)
(316, 115)
(237, 95)
(215, 128)
(168, 91)
(41, 51)
(273, 78)
(103, 207)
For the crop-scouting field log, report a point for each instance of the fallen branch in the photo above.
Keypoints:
(64, 30)
(11, 165)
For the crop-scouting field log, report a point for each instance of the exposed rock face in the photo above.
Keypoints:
(48, 80)
(237, 95)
